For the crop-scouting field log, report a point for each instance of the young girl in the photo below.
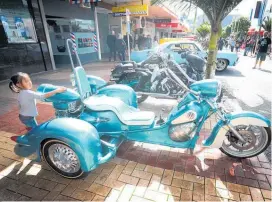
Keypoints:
(21, 84)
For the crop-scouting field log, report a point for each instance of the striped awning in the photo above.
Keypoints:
(83, 1)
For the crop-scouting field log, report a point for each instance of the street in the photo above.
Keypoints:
(246, 88)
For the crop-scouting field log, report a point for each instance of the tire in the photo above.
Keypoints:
(267, 131)
(61, 148)
(124, 80)
(222, 65)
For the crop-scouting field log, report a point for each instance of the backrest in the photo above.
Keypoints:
(82, 82)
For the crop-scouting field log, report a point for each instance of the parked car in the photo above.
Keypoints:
(224, 58)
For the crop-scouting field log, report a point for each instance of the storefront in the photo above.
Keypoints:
(64, 20)
(23, 44)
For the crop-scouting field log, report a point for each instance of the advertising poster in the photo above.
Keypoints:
(18, 25)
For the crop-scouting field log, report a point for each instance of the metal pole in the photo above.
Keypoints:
(49, 45)
(128, 46)
(97, 33)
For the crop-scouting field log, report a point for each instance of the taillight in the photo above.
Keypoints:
(14, 138)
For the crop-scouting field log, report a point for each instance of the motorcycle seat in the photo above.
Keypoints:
(126, 114)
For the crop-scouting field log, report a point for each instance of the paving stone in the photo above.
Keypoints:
(29, 179)
(82, 195)
(256, 194)
(113, 195)
(126, 193)
(46, 184)
(193, 178)
(6, 195)
(114, 184)
(129, 167)
(245, 197)
(119, 161)
(68, 190)
(221, 184)
(174, 191)
(267, 193)
(155, 196)
(178, 175)
(142, 174)
(154, 170)
(138, 199)
(238, 188)
(141, 187)
(116, 172)
(167, 177)
(24, 198)
(199, 188)
(101, 178)
(51, 196)
(182, 184)
(140, 166)
(173, 198)
(91, 178)
(128, 179)
(98, 198)
(214, 198)
(99, 189)
(186, 195)
(84, 185)
(154, 182)
(64, 198)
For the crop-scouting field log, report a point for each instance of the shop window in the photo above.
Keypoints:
(65, 28)
(57, 29)
(18, 25)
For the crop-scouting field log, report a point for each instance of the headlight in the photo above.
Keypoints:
(74, 107)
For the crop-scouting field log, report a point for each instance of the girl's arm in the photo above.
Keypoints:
(54, 92)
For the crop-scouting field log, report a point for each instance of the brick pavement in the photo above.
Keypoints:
(140, 172)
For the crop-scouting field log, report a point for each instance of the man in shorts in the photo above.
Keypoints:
(263, 45)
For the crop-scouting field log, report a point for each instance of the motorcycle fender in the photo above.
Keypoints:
(81, 136)
(218, 135)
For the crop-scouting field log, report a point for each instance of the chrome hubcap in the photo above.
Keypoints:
(256, 138)
(221, 64)
(64, 158)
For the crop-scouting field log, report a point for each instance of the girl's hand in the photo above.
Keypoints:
(61, 89)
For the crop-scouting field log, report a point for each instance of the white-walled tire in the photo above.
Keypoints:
(221, 64)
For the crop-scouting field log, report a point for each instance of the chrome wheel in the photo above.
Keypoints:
(256, 138)
(62, 158)
(221, 65)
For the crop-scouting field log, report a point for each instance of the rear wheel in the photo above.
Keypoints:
(257, 140)
(221, 65)
(62, 158)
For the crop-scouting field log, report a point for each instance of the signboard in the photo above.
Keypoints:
(167, 25)
(162, 20)
(136, 10)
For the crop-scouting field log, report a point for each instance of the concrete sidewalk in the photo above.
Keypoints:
(140, 172)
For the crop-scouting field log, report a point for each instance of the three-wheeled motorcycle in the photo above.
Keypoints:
(89, 127)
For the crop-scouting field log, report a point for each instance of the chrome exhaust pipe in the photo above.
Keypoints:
(156, 95)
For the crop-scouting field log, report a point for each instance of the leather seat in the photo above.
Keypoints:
(126, 114)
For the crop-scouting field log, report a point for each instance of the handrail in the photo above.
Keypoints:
(70, 54)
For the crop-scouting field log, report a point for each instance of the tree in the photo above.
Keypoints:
(242, 25)
(204, 30)
(226, 31)
(216, 11)
(267, 24)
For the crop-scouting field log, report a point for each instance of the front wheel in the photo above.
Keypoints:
(62, 158)
(257, 140)
(221, 65)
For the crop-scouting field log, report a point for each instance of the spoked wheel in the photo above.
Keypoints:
(62, 159)
(222, 65)
(257, 140)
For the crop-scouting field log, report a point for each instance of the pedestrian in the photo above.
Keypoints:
(120, 46)
(111, 38)
(232, 43)
(21, 83)
(237, 45)
(248, 45)
(141, 42)
(220, 43)
(130, 41)
(263, 46)
(156, 43)
(149, 42)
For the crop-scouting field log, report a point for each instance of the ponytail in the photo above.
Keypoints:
(15, 79)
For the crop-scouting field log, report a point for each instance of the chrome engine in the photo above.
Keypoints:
(182, 132)
(73, 109)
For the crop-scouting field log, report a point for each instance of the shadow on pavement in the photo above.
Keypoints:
(230, 72)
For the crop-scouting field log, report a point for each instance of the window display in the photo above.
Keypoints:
(18, 25)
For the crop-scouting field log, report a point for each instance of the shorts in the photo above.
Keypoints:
(29, 121)
(261, 56)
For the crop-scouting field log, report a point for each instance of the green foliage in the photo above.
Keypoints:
(242, 25)
(226, 31)
(267, 24)
(204, 30)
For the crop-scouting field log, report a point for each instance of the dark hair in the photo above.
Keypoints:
(15, 79)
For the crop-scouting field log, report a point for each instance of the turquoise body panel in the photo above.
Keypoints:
(230, 117)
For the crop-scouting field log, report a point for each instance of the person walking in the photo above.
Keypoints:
(111, 38)
(149, 42)
(220, 43)
(232, 43)
(248, 45)
(263, 46)
(120, 46)
(130, 41)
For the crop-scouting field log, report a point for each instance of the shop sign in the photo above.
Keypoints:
(167, 25)
(136, 10)
(162, 20)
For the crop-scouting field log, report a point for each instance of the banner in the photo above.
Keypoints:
(136, 10)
